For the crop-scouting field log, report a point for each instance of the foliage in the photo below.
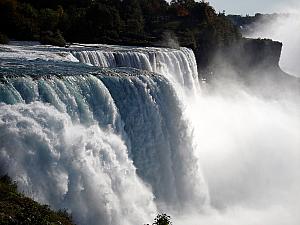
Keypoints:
(3, 39)
(192, 23)
(115, 21)
(162, 219)
(51, 38)
(16, 209)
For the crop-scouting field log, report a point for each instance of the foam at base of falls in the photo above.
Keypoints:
(83, 169)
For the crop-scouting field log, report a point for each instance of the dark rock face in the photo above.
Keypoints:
(256, 53)
(244, 55)
(253, 63)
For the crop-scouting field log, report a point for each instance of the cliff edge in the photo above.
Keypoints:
(253, 63)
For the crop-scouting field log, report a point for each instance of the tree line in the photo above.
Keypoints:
(129, 22)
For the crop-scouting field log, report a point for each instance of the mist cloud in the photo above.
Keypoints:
(284, 29)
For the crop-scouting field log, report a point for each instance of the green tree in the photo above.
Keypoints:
(8, 11)
(133, 16)
(26, 22)
(48, 19)
(162, 219)
(104, 22)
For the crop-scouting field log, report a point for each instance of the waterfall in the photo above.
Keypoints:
(110, 144)
(179, 66)
(117, 135)
(67, 165)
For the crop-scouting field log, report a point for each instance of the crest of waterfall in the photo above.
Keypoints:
(177, 65)
(111, 145)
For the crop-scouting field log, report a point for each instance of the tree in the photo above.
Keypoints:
(104, 21)
(162, 219)
(48, 19)
(133, 16)
(8, 11)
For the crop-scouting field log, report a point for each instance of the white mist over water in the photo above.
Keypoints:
(283, 28)
(249, 146)
(249, 149)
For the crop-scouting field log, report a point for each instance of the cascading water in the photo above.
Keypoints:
(66, 165)
(178, 66)
(111, 145)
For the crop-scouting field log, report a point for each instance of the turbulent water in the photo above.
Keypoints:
(118, 134)
(111, 145)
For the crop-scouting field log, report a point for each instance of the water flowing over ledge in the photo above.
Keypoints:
(111, 145)
(178, 65)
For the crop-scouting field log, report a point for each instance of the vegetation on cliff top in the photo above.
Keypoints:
(16, 209)
(186, 23)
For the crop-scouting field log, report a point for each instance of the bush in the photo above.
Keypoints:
(50, 38)
(162, 219)
(3, 39)
(16, 209)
